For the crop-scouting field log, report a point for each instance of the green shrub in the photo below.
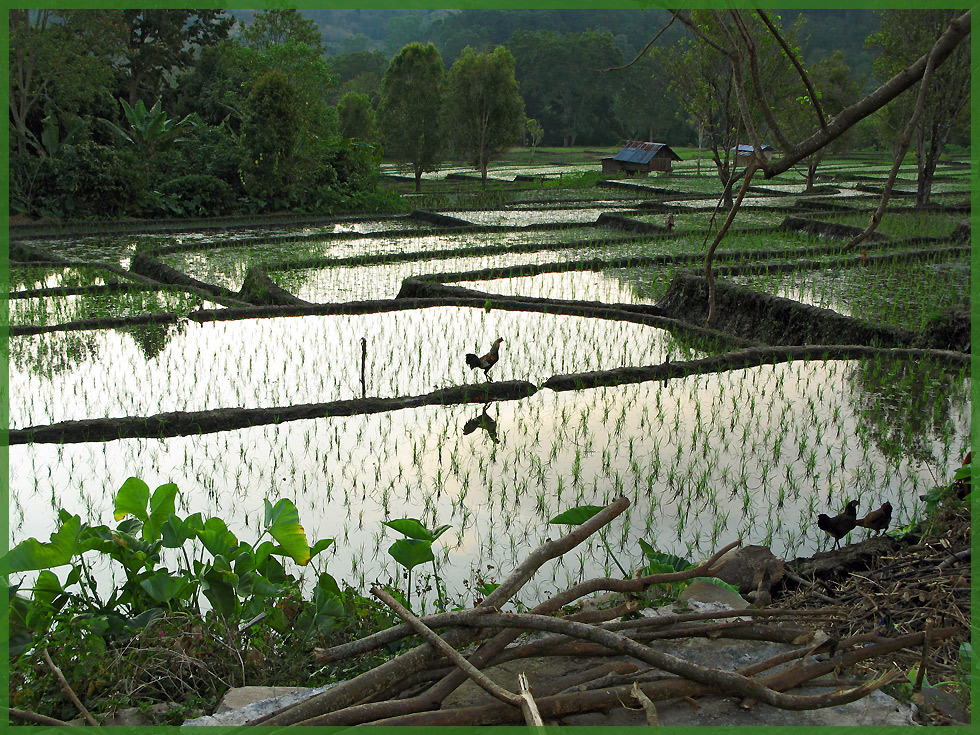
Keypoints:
(207, 150)
(199, 195)
(87, 180)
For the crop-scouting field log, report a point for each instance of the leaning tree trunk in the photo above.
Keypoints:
(928, 160)
(811, 172)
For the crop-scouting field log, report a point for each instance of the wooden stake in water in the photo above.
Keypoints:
(363, 363)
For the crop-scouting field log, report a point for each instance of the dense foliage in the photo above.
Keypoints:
(164, 106)
(411, 101)
(164, 113)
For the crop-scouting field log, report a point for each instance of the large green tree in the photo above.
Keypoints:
(60, 64)
(411, 100)
(359, 71)
(483, 111)
(163, 43)
(277, 26)
(904, 36)
(270, 130)
(357, 118)
(562, 85)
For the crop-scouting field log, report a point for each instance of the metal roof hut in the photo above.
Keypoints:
(641, 157)
(744, 154)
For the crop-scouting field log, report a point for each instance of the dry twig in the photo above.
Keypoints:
(66, 687)
(448, 651)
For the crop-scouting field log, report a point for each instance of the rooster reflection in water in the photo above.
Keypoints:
(482, 421)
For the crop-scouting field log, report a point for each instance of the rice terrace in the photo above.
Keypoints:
(412, 388)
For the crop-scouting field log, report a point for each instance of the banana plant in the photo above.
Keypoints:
(150, 130)
(51, 142)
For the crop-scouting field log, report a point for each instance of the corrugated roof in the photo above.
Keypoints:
(641, 152)
(748, 149)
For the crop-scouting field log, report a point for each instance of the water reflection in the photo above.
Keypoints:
(154, 337)
(906, 406)
(482, 421)
(756, 453)
(280, 361)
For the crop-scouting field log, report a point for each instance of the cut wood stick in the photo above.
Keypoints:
(604, 699)
(920, 675)
(392, 634)
(726, 682)
(494, 647)
(66, 687)
(449, 652)
(793, 677)
(953, 558)
(401, 631)
(649, 708)
(809, 588)
(531, 715)
(365, 686)
(27, 716)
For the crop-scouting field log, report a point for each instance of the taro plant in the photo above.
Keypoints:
(415, 550)
(240, 581)
(580, 514)
(659, 562)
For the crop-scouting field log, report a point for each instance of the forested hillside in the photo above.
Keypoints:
(375, 29)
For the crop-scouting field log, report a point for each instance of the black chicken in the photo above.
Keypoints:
(840, 525)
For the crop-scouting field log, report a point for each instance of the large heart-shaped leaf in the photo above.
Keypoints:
(669, 562)
(32, 554)
(320, 546)
(165, 586)
(132, 499)
(576, 516)
(411, 527)
(175, 531)
(282, 522)
(410, 552)
(219, 588)
(161, 508)
(217, 538)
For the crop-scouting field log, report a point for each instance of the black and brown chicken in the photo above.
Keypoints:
(840, 525)
(877, 520)
(487, 361)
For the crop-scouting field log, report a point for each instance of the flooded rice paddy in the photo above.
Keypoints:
(754, 453)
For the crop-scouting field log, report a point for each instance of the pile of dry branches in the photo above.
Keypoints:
(914, 588)
(401, 692)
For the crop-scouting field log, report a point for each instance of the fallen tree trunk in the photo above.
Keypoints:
(189, 423)
(748, 358)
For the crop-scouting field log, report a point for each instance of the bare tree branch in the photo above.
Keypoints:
(448, 651)
(66, 687)
(647, 47)
(958, 30)
(814, 97)
(368, 684)
(757, 85)
(903, 147)
(709, 256)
